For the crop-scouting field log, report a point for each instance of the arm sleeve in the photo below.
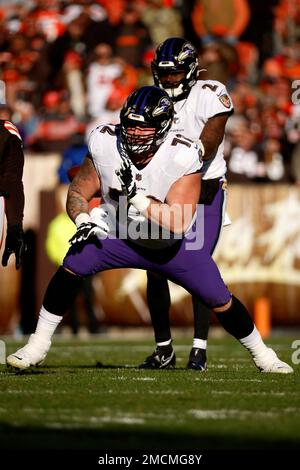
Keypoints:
(11, 185)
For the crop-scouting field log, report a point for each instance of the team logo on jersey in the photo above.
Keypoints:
(225, 100)
(12, 129)
(162, 107)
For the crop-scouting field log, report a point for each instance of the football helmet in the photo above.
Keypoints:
(173, 56)
(145, 120)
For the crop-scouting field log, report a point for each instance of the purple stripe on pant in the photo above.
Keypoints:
(195, 270)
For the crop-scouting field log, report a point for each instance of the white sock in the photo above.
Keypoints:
(165, 343)
(254, 343)
(199, 343)
(47, 324)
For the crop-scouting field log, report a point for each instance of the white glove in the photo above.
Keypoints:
(99, 217)
(86, 228)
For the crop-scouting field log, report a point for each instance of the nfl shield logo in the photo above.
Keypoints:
(138, 177)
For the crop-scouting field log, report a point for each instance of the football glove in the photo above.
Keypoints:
(126, 178)
(88, 230)
(15, 243)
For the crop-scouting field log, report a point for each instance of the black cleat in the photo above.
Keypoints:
(197, 360)
(162, 358)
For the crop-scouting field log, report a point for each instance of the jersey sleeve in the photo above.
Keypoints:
(99, 145)
(185, 155)
(216, 99)
(94, 146)
(194, 162)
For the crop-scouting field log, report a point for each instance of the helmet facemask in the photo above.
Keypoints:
(138, 139)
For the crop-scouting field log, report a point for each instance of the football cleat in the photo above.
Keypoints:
(197, 360)
(162, 358)
(32, 354)
(270, 363)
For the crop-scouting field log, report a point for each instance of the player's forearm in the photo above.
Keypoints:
(76, 204)
(14, 204)
(210, 149)
(175, 218)
(11, 185)
(212, 135)
(83, 188)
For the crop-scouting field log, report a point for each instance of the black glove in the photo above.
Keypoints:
(126, 178)
(15, 243)
(88, 230)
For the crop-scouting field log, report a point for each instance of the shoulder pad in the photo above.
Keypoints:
(12, 129)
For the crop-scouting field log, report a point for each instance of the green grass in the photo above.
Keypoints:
(71, 403)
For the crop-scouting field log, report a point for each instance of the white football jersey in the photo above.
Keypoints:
(175, 158)
(206, 99)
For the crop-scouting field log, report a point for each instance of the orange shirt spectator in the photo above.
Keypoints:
(220, 19)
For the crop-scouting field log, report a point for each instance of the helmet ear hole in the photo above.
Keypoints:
(145, 120)
(176, 55)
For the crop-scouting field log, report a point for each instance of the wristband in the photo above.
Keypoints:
(140, 202)
(82, 218)
(97, 213)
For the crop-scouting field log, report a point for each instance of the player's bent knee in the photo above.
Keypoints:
(223, 308)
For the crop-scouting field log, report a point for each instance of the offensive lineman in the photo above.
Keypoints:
(202, 108)
(158, 176)
(11, 191)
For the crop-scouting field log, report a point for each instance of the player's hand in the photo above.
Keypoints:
(89, 230)
(126, 178)
(15, 243)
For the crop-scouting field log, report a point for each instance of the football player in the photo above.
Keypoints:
(202, 108)
(11, 191)
(146, 177)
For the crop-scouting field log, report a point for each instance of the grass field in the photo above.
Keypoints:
(71, 402)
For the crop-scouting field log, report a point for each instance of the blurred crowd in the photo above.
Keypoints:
(66, 66)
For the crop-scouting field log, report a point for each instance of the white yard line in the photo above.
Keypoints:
(269, 393)
(232, 413)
